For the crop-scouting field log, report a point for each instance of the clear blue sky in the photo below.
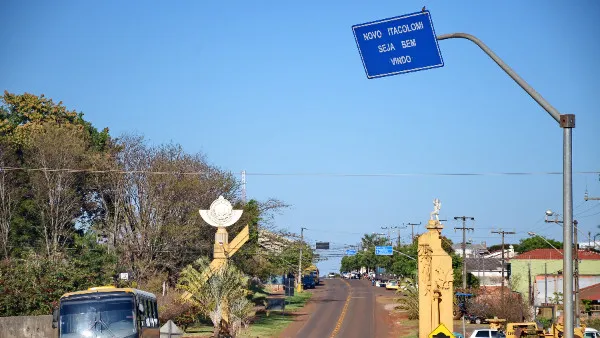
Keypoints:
(278, 87)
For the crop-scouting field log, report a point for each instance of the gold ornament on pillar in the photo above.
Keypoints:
(221, 215)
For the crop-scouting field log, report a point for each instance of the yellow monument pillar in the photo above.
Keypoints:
(221, 215)
(435, 278)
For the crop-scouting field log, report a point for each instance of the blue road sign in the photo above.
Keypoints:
(350, 252)
(398, 45)
(384, 250)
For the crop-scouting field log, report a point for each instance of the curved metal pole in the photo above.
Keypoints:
(567, 122)
(534, 95)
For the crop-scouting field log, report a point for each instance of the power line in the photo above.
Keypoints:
(152, 172)
(586, 210)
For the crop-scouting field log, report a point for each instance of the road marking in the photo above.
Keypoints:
(338, 325)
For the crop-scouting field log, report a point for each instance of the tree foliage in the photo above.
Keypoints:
(403, 262)
(226, 290)
(33, 285)
(90, 206)
(536, 242)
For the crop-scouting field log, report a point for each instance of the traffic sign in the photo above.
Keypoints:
(322, 246)
(398, 45)
(350, 252)
(384, 250)
(441, 332)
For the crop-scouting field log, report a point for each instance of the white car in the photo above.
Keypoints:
(486, 333)
(331, 275)
(591, 333)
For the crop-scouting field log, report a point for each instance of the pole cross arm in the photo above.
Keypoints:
(534, 95)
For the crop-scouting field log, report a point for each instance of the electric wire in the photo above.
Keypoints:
(152, 172)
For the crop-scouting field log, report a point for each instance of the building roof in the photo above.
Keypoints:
(481, 264)
(554, 254)
(478, 246)
(592, 292)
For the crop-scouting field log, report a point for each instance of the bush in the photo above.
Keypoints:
(33, 285)
(593, 323)
(490, 305)
(544, 322)
(410, 301)
(172, 307)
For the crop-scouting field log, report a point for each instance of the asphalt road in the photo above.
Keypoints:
(345, 308)
(360, 318)
(329, 300)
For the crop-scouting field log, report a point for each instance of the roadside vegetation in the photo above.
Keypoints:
(79, 206)
(261, 323)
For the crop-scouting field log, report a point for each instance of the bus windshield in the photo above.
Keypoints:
(100, 317)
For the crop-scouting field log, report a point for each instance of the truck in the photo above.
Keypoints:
(314, 272)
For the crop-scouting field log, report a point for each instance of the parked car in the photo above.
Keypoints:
(308, 282)
(392, 285)
(487, 333)
(475, 319)
(591, 333)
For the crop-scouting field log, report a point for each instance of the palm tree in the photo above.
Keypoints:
(221, 297)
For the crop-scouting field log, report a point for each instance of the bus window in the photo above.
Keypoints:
(86, 317)
(154, 313)
(148, 313)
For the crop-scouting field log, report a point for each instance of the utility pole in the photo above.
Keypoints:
(389, 229)
(399, 241)
(503, 233)
(412, 230)
(299, 287)
(464, 246)
(588, 198)
(545, 283)
(575, 255)
(244, 186)
(576, 268)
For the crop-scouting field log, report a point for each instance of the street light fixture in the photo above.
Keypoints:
(550, 213)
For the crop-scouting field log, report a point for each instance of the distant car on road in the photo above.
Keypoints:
(331, 275)
(392, 285)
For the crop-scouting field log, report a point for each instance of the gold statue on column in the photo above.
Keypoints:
(435, 278)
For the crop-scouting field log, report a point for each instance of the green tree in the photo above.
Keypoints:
(56, 193)
(37, 133)
(32, 286)
(254, 258)
(10, 195)
(22, 113)
(405, 266)
(536, 242)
